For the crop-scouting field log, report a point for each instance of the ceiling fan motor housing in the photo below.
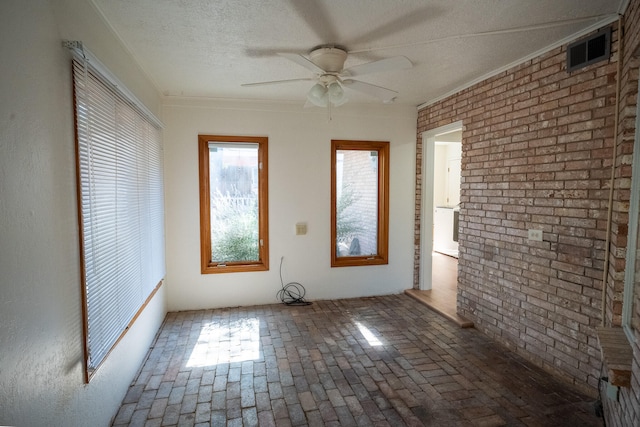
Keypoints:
(330, 59)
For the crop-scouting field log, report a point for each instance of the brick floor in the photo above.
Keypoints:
(382, 361)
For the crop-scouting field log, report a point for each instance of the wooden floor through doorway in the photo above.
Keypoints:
(442, 297)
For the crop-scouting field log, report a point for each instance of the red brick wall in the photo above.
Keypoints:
(537, 153)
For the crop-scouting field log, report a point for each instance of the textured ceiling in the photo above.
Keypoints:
(207, 48)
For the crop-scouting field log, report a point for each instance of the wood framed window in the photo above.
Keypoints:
(234, 234)
(120, 208)
(359, 203)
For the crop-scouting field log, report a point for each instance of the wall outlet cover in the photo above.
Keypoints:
(535, 235)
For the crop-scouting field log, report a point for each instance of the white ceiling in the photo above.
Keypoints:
(208, 48)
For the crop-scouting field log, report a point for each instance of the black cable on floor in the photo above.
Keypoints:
(598, 406)
(292, 293)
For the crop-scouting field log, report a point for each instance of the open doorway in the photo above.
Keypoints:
(441, 160)
(441, 153)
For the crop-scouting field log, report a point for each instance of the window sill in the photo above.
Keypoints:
(617, 355)
(234, 268)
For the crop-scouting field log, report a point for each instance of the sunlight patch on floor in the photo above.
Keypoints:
(235, 341)
(368, 335)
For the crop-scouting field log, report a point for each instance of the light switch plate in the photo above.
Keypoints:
(535, 235)
(301, 229)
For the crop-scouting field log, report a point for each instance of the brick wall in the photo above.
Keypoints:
(537, 153)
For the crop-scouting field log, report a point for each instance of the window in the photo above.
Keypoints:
(632, 269)
(233, 204)
(121, 208)
(359, 203)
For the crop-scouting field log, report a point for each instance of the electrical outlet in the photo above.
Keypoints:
(535, 235)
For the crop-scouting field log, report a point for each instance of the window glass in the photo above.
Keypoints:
(636, 274)
(359, 201)
(233, 182)
(630, 318)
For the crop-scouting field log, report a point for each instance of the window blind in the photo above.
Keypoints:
(121, 209)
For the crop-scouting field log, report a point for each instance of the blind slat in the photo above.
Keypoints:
(122, 208)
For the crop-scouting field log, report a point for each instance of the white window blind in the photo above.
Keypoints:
(121, 208)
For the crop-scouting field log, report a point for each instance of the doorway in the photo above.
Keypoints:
(441, 154)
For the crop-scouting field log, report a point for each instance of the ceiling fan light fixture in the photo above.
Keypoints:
(341, 102)
(321, 95)
(336, 93)
(318, 95)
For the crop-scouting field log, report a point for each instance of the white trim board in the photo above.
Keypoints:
(426, 208)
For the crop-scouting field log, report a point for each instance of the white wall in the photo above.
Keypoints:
(299, 191)
(445, 152)
(41, 352)
(440, 175)
(41, 372)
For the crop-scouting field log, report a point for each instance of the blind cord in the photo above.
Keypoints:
(292, 293)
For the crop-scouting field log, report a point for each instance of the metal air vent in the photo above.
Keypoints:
(589, 50)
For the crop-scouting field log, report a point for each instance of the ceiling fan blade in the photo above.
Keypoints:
(301, 60)
(386, 95)
(254, 52)
(276, 82)
(399, 24)
(389, 64)
(317, 18)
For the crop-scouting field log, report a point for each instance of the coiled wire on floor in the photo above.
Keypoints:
(292, 293)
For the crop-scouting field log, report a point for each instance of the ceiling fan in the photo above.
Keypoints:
(327, 64)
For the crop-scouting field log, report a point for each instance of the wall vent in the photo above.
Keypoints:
(589, 50)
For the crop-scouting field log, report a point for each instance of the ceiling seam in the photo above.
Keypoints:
(609, 19)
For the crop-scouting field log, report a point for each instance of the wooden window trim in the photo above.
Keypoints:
(382, 256)
(207, 265)
(617, 355)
